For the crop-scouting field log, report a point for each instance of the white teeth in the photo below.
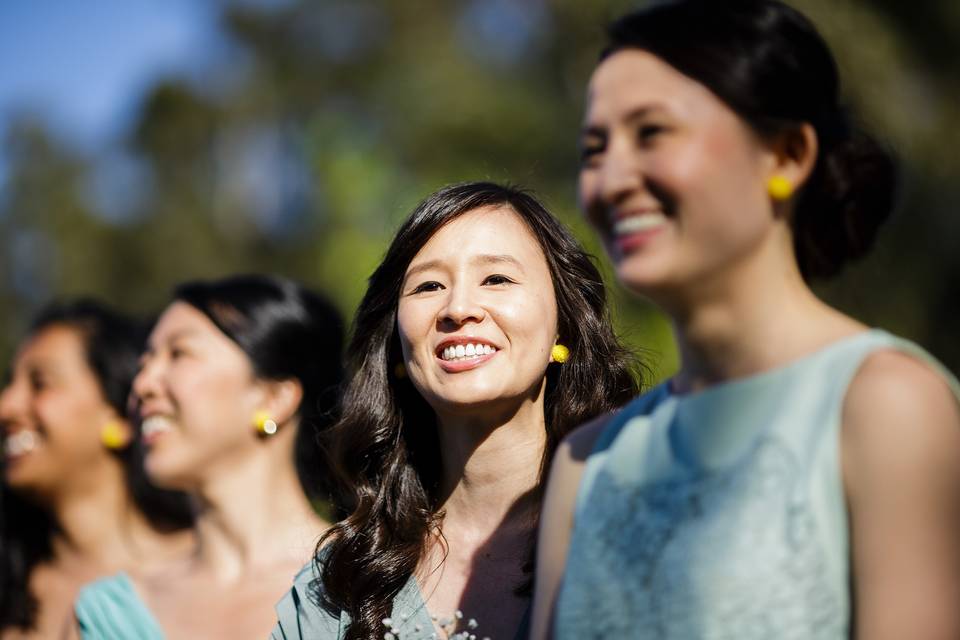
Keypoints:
(636, 224)
(464, 351)
(155, 424)
(19, 443)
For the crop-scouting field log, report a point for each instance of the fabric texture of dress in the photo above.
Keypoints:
(301, 616)
(110, 609)
(721, 514)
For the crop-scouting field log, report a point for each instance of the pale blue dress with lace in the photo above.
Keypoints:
(720, 515)
(110, 609)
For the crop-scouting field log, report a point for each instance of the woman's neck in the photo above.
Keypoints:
(253, 517)
(99, 529)
(491, 465)
(752, 318)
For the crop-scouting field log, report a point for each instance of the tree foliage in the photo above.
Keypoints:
(334, 118)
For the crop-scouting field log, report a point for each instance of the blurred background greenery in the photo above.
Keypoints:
(299, 136)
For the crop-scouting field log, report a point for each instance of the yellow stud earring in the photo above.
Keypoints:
(559, 353)
(113, 436)
(264, 423)
(779, 188)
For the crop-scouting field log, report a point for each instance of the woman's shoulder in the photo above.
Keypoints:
(600, 432)
(111, 608)
(303, 612)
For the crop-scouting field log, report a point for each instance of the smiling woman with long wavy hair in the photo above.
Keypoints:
(457, 397)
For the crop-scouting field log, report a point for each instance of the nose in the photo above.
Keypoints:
(620, 173)
(461, 307)
(11, 405)
(146, 382)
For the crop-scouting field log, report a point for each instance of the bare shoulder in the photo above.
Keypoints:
(900, 417)
(895, 395)
(900, 444)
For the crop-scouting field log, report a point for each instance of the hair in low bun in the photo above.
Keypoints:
(849, 196)
(769, 64)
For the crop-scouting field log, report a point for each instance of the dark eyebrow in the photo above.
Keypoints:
(593, 130)
(480, 259)
(173, 337)
(498, 259)
(419, 268)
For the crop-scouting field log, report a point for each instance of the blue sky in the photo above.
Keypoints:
(83, 66)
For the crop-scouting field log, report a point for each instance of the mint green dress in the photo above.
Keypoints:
(721, 514)
(110, 609)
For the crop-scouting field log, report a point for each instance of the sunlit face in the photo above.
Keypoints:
(671, 177)
(52, 412)
(197, 397)
(477, 315)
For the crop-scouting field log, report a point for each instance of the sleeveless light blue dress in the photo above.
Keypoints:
(110, 609)
(301, 616)
(721, 514)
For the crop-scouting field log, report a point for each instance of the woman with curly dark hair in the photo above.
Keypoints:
(75, 501)
(482, 339)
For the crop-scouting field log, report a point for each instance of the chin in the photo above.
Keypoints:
(165, 472)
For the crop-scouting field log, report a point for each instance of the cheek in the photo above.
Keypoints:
(414, 321)
(212, 398)
(70, 422)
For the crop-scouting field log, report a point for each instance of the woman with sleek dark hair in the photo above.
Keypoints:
(74, 498)
(238, 377)
(482, 339)
(800, 476)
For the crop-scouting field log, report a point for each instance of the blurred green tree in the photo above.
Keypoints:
(334, 118)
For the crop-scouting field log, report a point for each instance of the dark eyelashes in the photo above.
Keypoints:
(495, 279)
(426, 286)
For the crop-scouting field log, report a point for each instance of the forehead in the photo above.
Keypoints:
(632, 78)
(55, 343)
(182, 319)
(483, 231)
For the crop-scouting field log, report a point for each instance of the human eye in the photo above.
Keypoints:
(424, 287)
(38, 381)
(177, 351)
(648, 133)
(589, 151)
(498, 278)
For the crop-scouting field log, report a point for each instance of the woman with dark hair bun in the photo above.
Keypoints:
(74, 498)
(800, 476)
(238, 377)
(483, 338)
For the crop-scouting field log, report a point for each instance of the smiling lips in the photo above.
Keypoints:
(456, 356)
(633, 230)
(19, 444)
(153, 427)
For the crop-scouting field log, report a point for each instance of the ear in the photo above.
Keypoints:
(282, 399)
(793, 154)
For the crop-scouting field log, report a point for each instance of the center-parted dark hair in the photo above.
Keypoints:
(385, 448)
(769, 64)
(287, 331)
(112, 343)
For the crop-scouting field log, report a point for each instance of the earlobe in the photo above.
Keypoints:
(794, 158)
(282, 399)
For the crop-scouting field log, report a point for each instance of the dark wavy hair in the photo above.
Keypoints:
(287, 331)
(113, 343)
(385, 449)
(769, 64)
